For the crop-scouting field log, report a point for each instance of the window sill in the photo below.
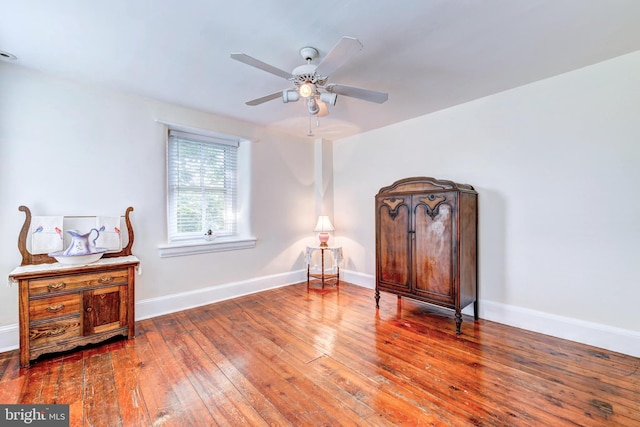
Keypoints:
(200, 247)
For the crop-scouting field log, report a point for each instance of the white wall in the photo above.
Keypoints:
(73, 149)
(556, 164)
(557, 167)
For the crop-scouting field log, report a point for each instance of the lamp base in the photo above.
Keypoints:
(324, 238)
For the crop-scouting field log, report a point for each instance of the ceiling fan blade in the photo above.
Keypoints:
(356, 92)
(260, 65)
(341, 53)
(264, 99)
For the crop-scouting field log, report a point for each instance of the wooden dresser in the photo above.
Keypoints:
(426, 243)
(65, 306)
(62, 307)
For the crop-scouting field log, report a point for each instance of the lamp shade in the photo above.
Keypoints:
(323, 110)
(324, 224)
(290, 96)
(313, 106)
(329, 98)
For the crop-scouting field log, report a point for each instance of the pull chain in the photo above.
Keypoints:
(310, 133)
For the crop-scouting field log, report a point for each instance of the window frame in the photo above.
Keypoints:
(206, 147)
(196, 243)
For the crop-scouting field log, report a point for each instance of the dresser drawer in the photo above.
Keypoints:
(54, 331)
(51, 307)
(54, 284)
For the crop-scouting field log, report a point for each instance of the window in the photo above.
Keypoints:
(203, 193)
(202, 179)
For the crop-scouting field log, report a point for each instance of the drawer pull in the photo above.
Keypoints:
(55, 308)
(57, 286)
(55, 332)
(105, 279)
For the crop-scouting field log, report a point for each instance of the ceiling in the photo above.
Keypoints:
(427, 54)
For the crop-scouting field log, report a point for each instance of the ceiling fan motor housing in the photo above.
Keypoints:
(307, 74)
(309, 53)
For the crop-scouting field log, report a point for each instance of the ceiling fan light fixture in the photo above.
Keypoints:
(307, 89)
(329, 98)
(313, 106)
(289, 95)
(323, 110)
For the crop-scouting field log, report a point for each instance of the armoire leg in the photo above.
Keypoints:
(377, 298)
(458, 322)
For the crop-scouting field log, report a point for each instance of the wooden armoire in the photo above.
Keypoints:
(426, 243)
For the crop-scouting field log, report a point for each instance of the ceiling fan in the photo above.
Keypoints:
(310, 81)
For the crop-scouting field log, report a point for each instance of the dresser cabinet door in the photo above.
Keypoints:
(394, 242)
(434, 225)
(105, 309)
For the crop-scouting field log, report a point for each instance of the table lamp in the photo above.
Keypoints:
(324, 226)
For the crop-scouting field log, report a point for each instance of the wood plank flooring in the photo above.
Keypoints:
(288, 357)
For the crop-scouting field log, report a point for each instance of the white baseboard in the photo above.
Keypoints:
(153, 307)
(607, 337)
(360, 279)
(598, 335)
(9, 337)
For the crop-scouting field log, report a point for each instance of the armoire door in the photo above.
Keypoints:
(433, 263)
(393, 243)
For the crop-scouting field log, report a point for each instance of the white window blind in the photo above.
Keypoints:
(202, 186)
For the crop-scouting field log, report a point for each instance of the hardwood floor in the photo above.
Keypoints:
(288, 357)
